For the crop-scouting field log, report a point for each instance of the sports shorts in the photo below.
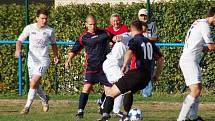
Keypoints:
(98, 77)
(112, 71)
(191, 71)
(133, 81)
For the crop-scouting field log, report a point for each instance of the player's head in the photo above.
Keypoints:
(42, 17)
(90, 23)
(142, 15)
(211, 16)
(136, 27)
(115, 21)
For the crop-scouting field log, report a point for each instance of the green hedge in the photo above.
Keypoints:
(173, 20)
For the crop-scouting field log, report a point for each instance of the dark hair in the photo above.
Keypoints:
(42, 11)
(137, 24)
(211, 12)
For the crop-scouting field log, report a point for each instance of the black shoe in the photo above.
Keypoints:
(198, 119)
(124, 118)
(104, 118)
(80, 114)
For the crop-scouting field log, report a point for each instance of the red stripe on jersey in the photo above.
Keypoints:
(133, 62)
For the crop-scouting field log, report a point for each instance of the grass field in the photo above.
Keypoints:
(63, 108)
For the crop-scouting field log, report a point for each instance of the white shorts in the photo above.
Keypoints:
(36, 68)
(191, 71)
(112, 71)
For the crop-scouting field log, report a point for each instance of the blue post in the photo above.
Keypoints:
(20, 74)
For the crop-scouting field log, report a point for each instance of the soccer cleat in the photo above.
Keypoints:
(25, 111)
(80, 115)
(104, 118)
(124, 118)
(46, 104)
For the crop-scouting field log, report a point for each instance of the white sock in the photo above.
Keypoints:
(193, 113)
(117, 103)
(41, 94)
(188, 102)
(31, 95)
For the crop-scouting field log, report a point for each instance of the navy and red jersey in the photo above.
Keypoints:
(144, 51)
(121, 30)
(96, 47)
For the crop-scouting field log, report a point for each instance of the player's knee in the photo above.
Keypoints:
(87, 88)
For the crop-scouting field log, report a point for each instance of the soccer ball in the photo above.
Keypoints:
(135, 114)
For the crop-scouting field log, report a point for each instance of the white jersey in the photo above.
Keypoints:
(197, 36)
(38, 42)
(119, 49)
(152, 30)
(112, 65)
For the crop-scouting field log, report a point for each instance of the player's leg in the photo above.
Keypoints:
(190, 100)
(192, 75)
(31, 94)
(44, 97)
(83, 99)
(127, 102)
(117, 105)
(109, 101)
(193, 113)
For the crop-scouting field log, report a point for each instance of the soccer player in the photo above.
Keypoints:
(153, 36)
(38, 56)
(116, 28)
(95, 41)
(197, 37)
(138, 78)
(112, 68)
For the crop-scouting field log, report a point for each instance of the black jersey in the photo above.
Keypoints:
(96, 47)
(145, 52)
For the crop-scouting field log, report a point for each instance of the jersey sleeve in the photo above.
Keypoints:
(132, 45)
(126, 37)
(52, 37)
(25, 33)
(78, 46)
(206, 33)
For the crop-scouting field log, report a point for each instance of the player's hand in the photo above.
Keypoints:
(67, 63)
(117, 38)
(56, 60)
(17, 54)
(124, 69)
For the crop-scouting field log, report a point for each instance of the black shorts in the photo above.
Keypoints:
(98, 77)
(133, 81)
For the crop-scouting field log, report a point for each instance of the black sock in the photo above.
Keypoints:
(103, 96)
(127, 102)
(108, 105)
(83, 100)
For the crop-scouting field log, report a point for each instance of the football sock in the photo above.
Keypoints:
(127, 102)
(31, 95)
(41, 93)
(83, 100)
(108, 105)
(193, 113)
(188, 102)
(117, 103)
(103, 96)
